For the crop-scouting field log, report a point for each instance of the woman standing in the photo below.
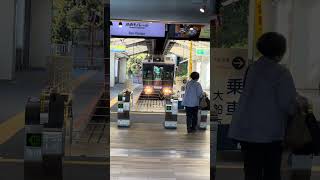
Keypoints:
(191, 101)
(267, 102)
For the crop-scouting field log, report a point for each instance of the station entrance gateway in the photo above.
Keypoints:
(156, 68)
(147, 116)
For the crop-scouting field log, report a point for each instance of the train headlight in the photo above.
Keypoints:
(148, 90)
(167, 91)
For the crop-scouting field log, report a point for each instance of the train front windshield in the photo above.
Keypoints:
(158, 75)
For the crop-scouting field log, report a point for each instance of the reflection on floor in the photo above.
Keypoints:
(147, 151)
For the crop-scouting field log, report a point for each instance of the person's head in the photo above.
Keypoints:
(195, 76)
(272, 45)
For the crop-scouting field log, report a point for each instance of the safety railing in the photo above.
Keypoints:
(61, 49)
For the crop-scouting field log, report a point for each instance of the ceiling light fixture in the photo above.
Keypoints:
(203, 9)
(120, 24)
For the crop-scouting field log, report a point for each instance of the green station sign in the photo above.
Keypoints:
(34, 140)
(202, 52)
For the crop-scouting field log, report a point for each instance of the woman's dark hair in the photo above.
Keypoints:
(195, 76)
(272, 45)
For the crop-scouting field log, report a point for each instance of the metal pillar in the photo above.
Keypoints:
(190, 68)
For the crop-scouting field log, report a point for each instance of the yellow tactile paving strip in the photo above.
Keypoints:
(113, 101)
(11, 126)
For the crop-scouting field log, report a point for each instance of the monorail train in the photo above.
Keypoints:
(158, 78)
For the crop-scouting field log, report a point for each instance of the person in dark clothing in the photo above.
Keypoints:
(191, 101)
(267, 102)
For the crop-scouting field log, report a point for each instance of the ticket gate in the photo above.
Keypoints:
(44, 139)
(124, 102)
(171, 114)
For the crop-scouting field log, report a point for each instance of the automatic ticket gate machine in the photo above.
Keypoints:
(33, 134)
(44, 142)
(124, 102)
(171, 113)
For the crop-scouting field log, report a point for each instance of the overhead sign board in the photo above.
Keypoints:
(189, 31)
(137, 29)
(205, 32)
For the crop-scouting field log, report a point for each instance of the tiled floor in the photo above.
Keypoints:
(147, 151)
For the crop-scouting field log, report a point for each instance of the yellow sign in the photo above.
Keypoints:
(258, 22)
(118, 48)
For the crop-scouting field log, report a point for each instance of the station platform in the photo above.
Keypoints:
(147, 151)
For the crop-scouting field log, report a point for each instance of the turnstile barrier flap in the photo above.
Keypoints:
(120, 97)
(44, 118)
(126, 106)
(56, 111)
(32, 111)
(53, 142)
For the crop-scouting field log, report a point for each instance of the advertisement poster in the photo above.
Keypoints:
(137, 29)
(205, 32)
(228, 67)
(187, 31)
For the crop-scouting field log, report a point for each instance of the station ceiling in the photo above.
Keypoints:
(175, 11)
(136, 46)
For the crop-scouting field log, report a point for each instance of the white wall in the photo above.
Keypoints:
(202, 65)
(112, 71)
(123, 70)
(20, 15)
(7, 39)
(305, 54)
(40, 32)
(299, 22)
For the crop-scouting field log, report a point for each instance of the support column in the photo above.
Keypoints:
(190, 63)
(7, 40)
(304, 55)
(251, 33)
(40, 32)
(112, 61)
(123, 70)
(269, 15)
(205, 73)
